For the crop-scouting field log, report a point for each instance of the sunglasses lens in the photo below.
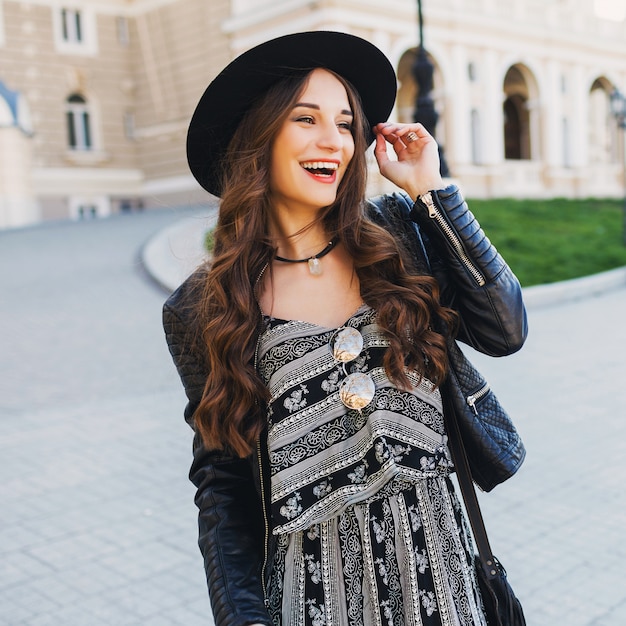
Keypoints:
(357, 390)
(347, 345)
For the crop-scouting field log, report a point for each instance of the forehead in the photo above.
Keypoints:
(323, 86)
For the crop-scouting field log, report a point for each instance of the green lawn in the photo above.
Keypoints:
(550, 240)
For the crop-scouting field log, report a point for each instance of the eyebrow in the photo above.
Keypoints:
(308, 105)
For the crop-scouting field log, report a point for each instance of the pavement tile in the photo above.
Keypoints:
(52, 587)
(19, 567)
(197, 613)
(614, 617)
(144, 561)
(93, 578)
(12, 613)
(76, 615)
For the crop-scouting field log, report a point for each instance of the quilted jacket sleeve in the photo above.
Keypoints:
(474, 279)
(230, 517)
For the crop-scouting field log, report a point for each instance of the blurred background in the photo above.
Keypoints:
(95, 96)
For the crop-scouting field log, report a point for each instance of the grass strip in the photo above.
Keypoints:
(545, 241)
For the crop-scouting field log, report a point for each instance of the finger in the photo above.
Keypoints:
(394, 140)
(405, 136)
(409, 133)
(409, 138)
(380, 151)
(388, 131)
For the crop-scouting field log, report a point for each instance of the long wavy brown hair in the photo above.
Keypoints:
(232, 412)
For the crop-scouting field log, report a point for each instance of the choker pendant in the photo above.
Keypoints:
(315, 266)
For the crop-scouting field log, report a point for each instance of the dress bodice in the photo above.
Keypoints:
(324, 456)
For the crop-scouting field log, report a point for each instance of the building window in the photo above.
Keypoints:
(75, 30)
(129, 125)
(516, 126)
(603, 144)
(567, 152)
(517, 141)
(477, 158)
(123, 35)
(71, 26)
(79, 136)
(471, 72)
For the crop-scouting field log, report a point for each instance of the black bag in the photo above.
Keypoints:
(502, 607)
(493, 447)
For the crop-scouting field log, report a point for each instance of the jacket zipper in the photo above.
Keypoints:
(265, 522)
(435, 214)
(475, 397)
(266, 537)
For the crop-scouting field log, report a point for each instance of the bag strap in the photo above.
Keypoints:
(468, 491)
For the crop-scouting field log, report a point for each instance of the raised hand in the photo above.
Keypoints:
(416, 168)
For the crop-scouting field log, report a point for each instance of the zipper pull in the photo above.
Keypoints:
(427, 199)
(471, 400)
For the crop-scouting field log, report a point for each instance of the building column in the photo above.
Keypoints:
(18, 206)
(552, 126)
(457, 98)
(580, 123)
(492, 107)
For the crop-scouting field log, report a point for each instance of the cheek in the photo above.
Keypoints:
(348, 153)
(349, 149)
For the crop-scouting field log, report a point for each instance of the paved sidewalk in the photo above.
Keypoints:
(97, 521)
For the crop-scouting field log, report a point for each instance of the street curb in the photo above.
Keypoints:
(541, 296)
(173, 253)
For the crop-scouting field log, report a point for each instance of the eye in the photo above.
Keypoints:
(345, 126)
(306, 119)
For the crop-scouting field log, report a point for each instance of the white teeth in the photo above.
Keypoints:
(320, 165)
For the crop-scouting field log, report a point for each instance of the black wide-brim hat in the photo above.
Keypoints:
(228, 97)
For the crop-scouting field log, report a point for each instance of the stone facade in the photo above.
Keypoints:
(98, 93)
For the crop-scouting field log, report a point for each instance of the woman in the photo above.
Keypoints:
(313, 347)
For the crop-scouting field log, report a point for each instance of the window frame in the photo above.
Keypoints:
(79, 124)
(74, 29)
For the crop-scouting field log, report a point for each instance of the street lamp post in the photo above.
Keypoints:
(423, 71)
(618, 110)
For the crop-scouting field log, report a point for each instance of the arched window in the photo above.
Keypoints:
(516, 116)
(408, 92)
(603, 146)
(513, 120)
(78, 123)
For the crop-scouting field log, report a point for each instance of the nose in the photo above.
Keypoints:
(329, 137)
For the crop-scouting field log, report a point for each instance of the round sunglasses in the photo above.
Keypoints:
(357, 389)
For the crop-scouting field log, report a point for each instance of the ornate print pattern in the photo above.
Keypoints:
(369, 530)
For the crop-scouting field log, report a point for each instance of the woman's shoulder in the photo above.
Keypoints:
(183, 301)
(393, 212)
(386, 207)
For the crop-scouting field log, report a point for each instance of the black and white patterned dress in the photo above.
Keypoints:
(369, 530)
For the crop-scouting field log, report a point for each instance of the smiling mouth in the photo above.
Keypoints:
(325, 169)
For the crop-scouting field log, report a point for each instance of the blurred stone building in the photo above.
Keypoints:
(95, 95)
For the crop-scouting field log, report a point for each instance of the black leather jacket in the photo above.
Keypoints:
(445, 240)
